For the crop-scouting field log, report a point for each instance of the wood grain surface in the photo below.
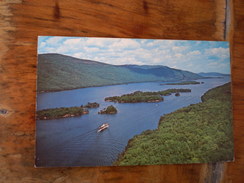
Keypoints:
(21, 21)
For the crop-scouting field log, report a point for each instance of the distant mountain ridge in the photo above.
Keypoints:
(58, 72)
(212, 74)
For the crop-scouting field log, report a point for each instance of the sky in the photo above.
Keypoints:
(194, 56)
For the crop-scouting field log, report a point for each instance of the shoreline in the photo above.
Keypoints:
(53, 91)
(140, 140)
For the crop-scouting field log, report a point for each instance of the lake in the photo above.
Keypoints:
(75, 142)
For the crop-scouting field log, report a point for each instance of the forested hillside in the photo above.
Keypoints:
(59, 72)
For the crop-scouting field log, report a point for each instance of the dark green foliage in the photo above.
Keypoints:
(140, 96)
(59, 72)
(109, 110)
(60, 112)
(184, 83)
(177, 94)
(92, 105)
(215, 93)
(170, 91)
(199, 133)
(135, 99)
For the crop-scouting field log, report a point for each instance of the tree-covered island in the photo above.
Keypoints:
(184, 83)
(177, 94)
(139, 96)
(62, 112)
(92, 105)
(109, 110)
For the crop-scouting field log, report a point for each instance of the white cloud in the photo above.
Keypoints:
(143, 41)
(179, 48)
(161, 43)
(179, 55)
(91, 49)
(213, 64)
(125, 44)
(156, 60)
(50, 50)
(100, 42)
(194, 53)
(218, 52)
(168, 57)
(73, 44)
(73, 41)
(54, 40)
(154, 43)
(79, 55)
(42, 45)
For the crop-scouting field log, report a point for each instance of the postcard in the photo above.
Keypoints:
(126, 102)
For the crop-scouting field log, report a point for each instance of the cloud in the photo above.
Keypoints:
(179, 48)
(54, 40)
(161, 43)
(50, 50)
(72, 44)
(213, 64)
(42, 45)
(196, 56)
(99, 42)
(125, 44)
(179, 55)
(79, 55)
(218, 52)
(194, 53)
(91, 49)
(74, 41)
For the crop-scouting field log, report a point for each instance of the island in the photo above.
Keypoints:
(139, 96)
(109, 110)
(177, 94)
(197, 133)
(184, 83)
(92, 105)
(62, 112)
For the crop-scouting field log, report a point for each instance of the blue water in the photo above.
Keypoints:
(75, 142)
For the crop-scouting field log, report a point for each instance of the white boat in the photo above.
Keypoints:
(102, 127)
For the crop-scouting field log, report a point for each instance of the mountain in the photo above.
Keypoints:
(58, 72)
(212, 74)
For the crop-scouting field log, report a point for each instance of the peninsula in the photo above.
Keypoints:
(198, 133)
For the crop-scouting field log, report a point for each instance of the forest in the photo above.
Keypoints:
(199, 133)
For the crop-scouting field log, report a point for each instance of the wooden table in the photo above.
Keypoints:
(21, 21)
